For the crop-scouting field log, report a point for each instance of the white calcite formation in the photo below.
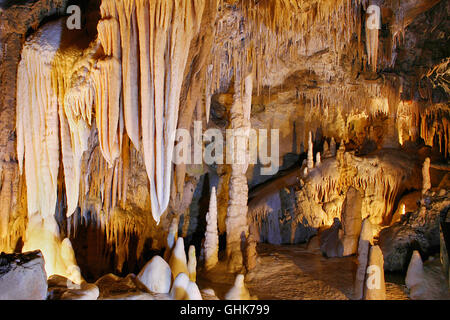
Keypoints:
(51, 90)
(211, 243)
(38, 142)
(178, 262)
(193, 292)
(156, 275)
(171, 239)
(239, 291)
(60, 89)
(179, 287)
(192, 264)
(165, 31)
(375, 287)
(415, 277)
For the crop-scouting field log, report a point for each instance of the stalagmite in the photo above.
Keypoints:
(251, 254)
(426, 181)
(326, 150)
(374, 288)
(351, 221)
(211, 244)
(365, 241)
(156, 275)
(239, 291)
(172, 238)
(317, 159)
(68, 256)
(193, 292)
(415, 277)
(236, 219)
(107, 75)
(179, 287)
(310, 158)
(192, 264)
(177, 261)
(333, 147)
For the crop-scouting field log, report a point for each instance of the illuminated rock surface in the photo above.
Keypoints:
(350, 114)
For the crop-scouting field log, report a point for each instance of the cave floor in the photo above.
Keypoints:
(294, 272)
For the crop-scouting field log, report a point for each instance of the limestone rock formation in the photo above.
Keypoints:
(22, 276)
(113, 287)
(251, 254)
(211, 244)
(330, 245)
(61, 288)
(318, 159)
(180, 286)
(333, 147)
(178, 262)
(415, 276)
(192, 292)
(192, 264)
(426, 184)
(310, 158)
(236, 220)
(351, 221)
(156, 275)
(375, 288)
(419, 230)
(172, 238)
(364, 244)
(95, 119)
(239, 291)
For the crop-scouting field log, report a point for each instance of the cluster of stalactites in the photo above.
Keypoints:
(380, 182)
(434, 127)
(161, 32)
(270, 31)
(116, 228)
(112, 83)
(37, 124)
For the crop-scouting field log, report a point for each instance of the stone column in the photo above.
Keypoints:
(237, 152)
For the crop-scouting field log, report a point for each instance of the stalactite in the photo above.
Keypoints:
(107, 78)
(129, 40)
(37, 122)
(163, 27)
